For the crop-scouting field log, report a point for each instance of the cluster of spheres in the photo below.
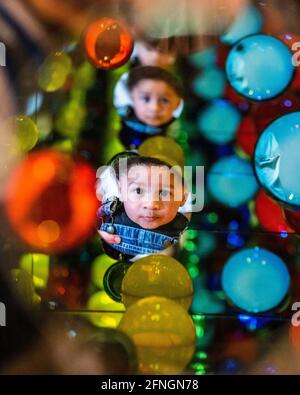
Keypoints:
(249, 118)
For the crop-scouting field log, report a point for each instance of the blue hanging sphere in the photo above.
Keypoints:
(219, 121)
(255, 280)
(231, 181)
(203, 59)
(259, 67)
(277, 160)
(210, 84)
(250, 21)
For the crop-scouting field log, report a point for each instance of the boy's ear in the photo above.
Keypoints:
(119, 187)
(185, 196)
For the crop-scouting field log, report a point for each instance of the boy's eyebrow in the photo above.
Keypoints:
(133, 181)
(149, 92)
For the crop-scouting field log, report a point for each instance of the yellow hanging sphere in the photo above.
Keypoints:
(157, 275)
(54, 71)
(27, 133)
(105, 311)
(37, 265)
(70, 119)
(163, 333)
(163, 148)
(99, 267)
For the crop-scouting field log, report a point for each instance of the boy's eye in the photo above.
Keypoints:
(145, 98)
(164, 194)
(164, 100)
(138, 191)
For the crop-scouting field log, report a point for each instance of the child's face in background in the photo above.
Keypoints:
(152, 195)
(154, 102)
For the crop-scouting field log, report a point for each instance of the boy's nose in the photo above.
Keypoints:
(151, 205)
(154, 105)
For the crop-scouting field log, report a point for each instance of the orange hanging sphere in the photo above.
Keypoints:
(50, 201)
(108, 43)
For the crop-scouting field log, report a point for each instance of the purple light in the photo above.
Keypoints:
(270, 370)
(288, 103)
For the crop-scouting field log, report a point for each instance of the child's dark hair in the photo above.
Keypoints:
(141, 161)
(140, 73)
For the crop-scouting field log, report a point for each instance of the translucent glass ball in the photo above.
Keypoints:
(260, 67)
(255, 280)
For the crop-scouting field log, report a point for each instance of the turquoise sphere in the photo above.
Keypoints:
(277, 160)
(218, 122)
(255, 280)
(259, 67)
(231, 181)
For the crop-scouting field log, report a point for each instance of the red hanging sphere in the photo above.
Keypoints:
(231, 95)
(264, 113)
(269, 214)
(108, 43)
(246, 136)
(50, 201)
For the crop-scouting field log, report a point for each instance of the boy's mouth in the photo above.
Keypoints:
(149, 218)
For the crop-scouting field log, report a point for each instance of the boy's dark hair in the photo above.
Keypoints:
(139, 161)
(140, 73)
(142, 161)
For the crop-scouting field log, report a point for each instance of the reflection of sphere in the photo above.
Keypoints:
(109, 312)
(163, 148)
(231, 181)
(113, 279)
(277, 159)
(51, 202)
(26, 132)
(269, 213)
(255, 279)
(108, 43)
(54, 71)
(241, 347)
(116, 351)
(157, 275)
(247, 135)
(211, 121)
(163, 333)
(259, 67)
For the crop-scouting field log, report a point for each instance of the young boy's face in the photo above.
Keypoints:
(151, 194)
(154, 101)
